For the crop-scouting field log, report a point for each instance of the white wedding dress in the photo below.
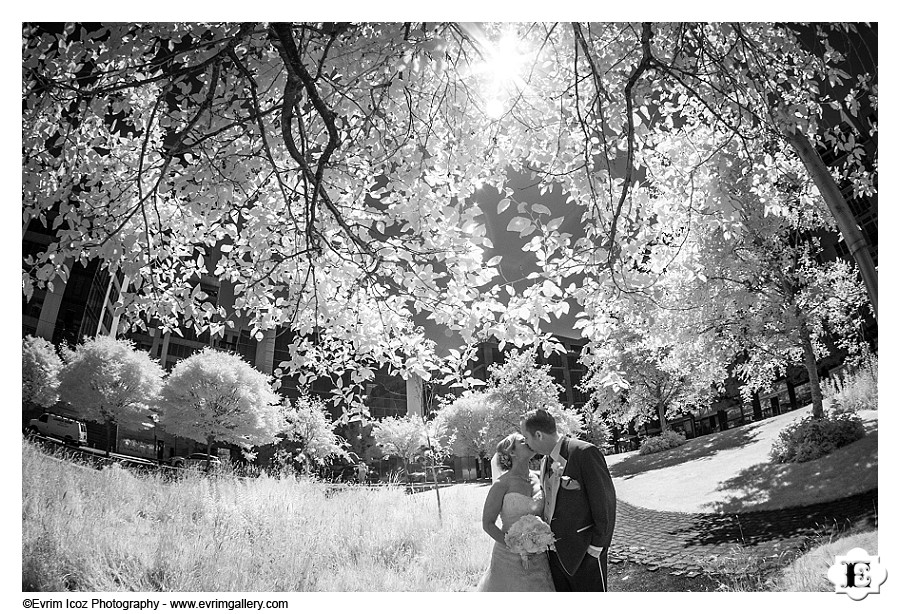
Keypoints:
(507, 572)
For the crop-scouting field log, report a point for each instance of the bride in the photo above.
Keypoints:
(515, 493)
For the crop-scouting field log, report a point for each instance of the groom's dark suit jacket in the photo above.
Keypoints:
(585, 511)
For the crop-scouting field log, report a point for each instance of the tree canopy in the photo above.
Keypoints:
(213, 396)
(329, 173)
(403, 436)
(473, 423)
(40, 372)
(309, 429)
(108, 380)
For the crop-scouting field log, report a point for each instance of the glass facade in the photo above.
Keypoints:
(289, 383)
(78, 304)
(386, 395)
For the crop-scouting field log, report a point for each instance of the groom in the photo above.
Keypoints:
(579, 504)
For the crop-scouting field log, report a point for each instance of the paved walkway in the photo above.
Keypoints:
(684, 543)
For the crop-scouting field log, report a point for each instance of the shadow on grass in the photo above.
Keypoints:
(627, 577)
(847, 471)
(694, 449)
(858, 512)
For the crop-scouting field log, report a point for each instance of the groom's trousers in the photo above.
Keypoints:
(589, 577)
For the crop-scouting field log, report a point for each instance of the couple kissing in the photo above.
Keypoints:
(572, 493)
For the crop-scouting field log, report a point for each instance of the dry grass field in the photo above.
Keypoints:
(111, 530)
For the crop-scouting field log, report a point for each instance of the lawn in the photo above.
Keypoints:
(730, 471)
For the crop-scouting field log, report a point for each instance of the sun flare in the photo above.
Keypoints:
(505, 60)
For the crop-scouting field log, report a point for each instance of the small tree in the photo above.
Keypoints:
(765, 291)
(402, 437)
(476, 421)
(107, 380)
(215, 396)
(309, 429)
(652, 381)
(462, 423)
(354, 429)
(40, 372)
(596, 428)
(520, 385)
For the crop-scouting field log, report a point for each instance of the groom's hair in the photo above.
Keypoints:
(539, 420)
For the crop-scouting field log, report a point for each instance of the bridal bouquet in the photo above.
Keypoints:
(529, 535)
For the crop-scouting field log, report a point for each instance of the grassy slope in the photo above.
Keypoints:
(809, 572)
(730, 471)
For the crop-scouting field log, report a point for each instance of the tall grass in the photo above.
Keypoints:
(809, 573)
(111, 530)
(802, 569)
(856, 390)
(741, 570)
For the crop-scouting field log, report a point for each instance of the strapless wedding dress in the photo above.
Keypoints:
(507, 571)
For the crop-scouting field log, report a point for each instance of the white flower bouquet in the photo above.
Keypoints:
(529, 535)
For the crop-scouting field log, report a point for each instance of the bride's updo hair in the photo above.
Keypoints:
(505, 449)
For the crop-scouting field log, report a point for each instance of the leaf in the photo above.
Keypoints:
(539, 208)
(502, 205)
(527, 230)
(555, 223)
(518, 224)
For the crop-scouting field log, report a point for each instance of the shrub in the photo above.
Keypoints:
(812, 438)
(665, 441)
(855, 391)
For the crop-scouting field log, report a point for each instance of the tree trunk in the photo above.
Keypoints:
(809, 358)
(757, 406)
(792, 393)
(437, 490)
(108, 436)
(846, 223)
(208, 453)
(661, 409)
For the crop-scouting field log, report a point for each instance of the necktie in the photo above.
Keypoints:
(545, 483)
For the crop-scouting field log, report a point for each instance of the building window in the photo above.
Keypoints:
(841, 249)
(386, 396)
(496, 356)
(859, 205)
(142, 342)
(107, 321)
(871, 230)
(246, 346)
(211, 289)
(94, 304)
(32, 309)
